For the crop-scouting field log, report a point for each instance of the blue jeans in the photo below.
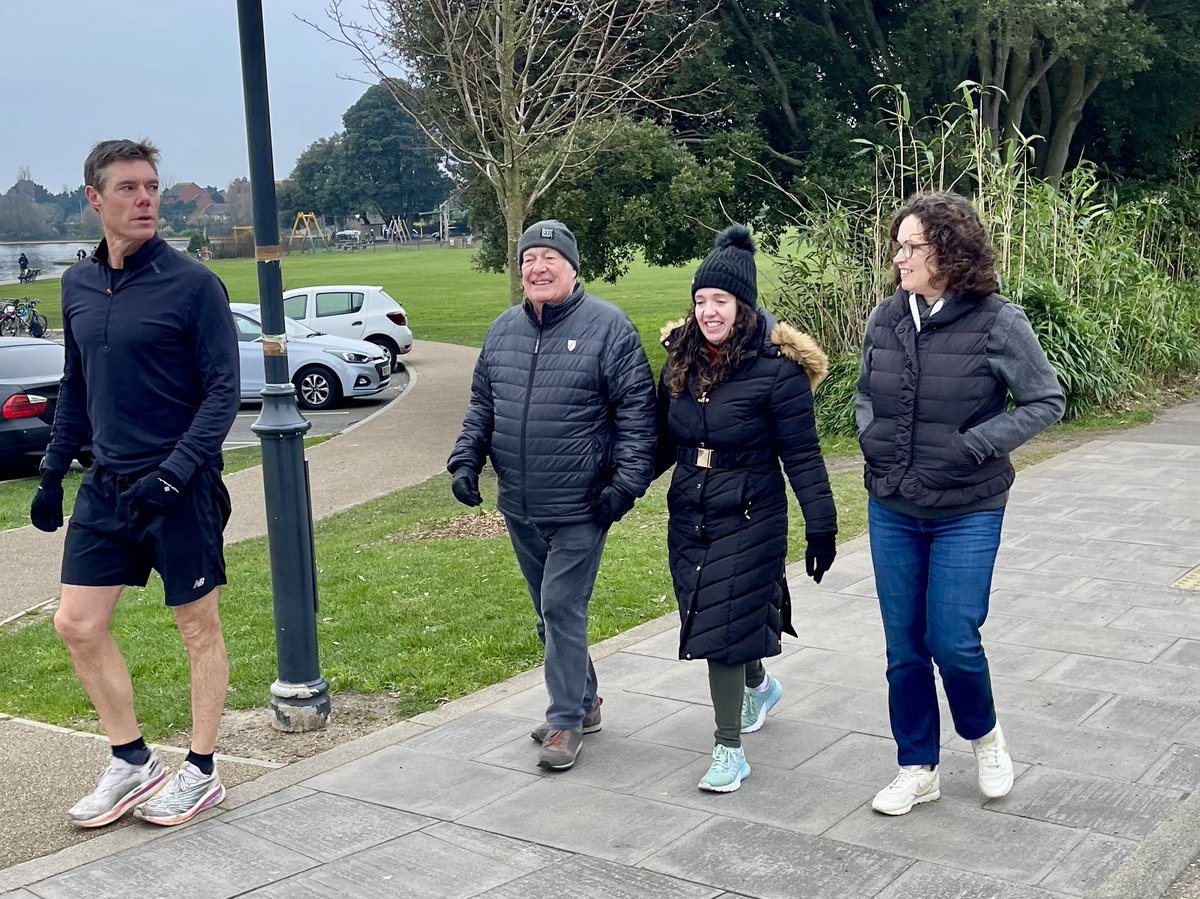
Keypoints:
(560, 564)
(933, 578)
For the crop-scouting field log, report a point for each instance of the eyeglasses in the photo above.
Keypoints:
(907, 249)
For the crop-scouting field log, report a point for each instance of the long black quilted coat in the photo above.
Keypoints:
(727, 534)
(561, 407)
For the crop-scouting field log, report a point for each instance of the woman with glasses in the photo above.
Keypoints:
(953, 380)
(735, 416)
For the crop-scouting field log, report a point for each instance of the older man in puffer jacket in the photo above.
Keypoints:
(562, 403)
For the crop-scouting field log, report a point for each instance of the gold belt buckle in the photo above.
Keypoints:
(704, 457)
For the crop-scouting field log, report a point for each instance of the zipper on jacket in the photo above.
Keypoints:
(537, 346)
(112, 291)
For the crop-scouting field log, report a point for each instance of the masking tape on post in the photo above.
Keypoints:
(269, 254)
(273, 345)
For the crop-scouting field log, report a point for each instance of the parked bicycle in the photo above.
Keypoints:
(21, 316)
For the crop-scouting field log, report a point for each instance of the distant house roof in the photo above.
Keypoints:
(188, 192)
(218, 211)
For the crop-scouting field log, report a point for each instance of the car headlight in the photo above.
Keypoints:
(350, 356)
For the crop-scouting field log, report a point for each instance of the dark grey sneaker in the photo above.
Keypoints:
(560, 748)
(591, 723)
(121, 787)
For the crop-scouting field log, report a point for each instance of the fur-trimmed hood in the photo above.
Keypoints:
(784, 340)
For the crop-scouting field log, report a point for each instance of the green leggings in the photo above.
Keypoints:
(726, 685)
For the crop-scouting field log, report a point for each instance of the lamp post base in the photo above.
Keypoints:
(298, 708)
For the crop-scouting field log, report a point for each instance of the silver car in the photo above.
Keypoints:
(324, 369)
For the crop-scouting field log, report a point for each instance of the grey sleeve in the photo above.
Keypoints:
(1018, 360)
(863, 412)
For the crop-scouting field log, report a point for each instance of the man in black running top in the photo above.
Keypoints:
(151, 379)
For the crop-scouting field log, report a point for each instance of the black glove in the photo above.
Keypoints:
(819, 554)
(466, 487)
(46, 510)
(611, 505)
(153, 494)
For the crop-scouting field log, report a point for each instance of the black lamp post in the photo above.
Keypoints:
(300, 695)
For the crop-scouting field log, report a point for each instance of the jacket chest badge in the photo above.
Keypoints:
(571, 344)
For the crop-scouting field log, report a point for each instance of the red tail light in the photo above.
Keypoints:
(398, 318)
(24, 405)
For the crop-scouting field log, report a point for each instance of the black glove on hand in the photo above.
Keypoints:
(611, 505)
(46, 510)
(466, 487)
(153, 494)
(819, 554)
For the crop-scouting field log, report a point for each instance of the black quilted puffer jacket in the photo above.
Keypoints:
(727, 534)
(561, 408)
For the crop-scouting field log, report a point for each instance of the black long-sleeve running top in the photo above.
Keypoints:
(151, 364)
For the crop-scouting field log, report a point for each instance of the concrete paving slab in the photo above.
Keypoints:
(472, 736)
(1176, 622)
(830, 668)
(1177, 768)
(781, 742)
(790, 799)
(1135, 594)
(1055, 608)
(606, 761)
(580, 877)
(1184, 653)
(1153, 719)
(585, 821)
(424, 863)
(926, 881)
(1089, 864)
(1098, 804)
(325, 827)
(399, 777)
(1111, 642)
(1148, 681)
(961, 836)
(207, 861)
(1129, 570)
(1021, 662)
(772, 863)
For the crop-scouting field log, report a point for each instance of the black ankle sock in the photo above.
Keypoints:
(203, 762)
(135, 752)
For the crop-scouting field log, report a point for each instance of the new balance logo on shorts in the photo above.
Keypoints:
(199, 583)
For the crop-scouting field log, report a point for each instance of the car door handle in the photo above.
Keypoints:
(355, 323)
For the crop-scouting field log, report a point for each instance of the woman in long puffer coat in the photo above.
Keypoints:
(735, 400)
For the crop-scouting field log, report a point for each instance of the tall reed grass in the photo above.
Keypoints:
(1109, 286)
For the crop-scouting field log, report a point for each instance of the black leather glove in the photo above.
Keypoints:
(46, 510)
(611, 505)
(153, 494)
(819, 554)
(466, 487)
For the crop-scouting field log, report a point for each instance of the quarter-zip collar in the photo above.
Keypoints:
(140, 258)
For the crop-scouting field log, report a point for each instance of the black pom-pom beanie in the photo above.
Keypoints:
(730, 266)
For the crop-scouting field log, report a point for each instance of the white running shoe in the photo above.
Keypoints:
(913, 785)
(995, 764)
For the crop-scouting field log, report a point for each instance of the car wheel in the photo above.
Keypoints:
(317, 388)
(385, 344)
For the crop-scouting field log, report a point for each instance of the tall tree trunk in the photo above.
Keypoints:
(1077, 90)
(513, 207)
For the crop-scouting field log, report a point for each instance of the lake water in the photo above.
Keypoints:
(47, 256)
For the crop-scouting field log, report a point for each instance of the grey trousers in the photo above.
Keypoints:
(559, 563)
(726, 684)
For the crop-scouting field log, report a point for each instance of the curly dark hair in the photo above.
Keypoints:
(689, 362)
(965, 260)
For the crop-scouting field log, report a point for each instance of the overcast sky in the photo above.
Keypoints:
(76, 72)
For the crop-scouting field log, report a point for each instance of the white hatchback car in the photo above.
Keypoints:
(324, 369)
(353, 311)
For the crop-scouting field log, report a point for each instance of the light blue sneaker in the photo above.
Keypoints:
(756, 703)
(727, 771)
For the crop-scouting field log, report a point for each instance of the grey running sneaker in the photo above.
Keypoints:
(187, 794)
(591, 723)
(560, 748)
(120, 788)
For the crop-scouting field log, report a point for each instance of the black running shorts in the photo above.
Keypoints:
(109, 545)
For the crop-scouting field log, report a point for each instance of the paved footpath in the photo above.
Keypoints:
(1094, 655)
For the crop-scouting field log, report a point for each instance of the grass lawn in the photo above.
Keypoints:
(400, 612)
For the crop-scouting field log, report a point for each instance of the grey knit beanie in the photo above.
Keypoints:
(730, 266)
(553, 234)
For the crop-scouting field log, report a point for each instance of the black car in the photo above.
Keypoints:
(30, 371)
